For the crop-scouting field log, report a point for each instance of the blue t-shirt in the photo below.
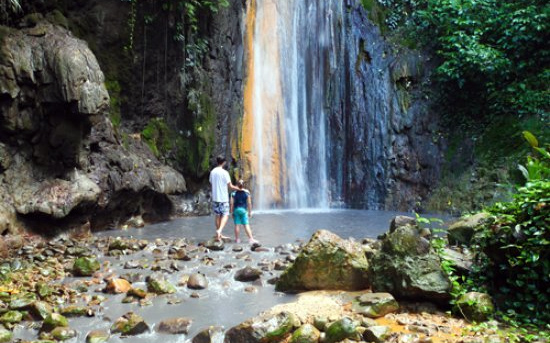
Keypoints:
(240, 199)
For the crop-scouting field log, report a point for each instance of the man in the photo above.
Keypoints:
(220, 181)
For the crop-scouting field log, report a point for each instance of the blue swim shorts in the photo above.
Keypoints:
(240, 216)
(220, 208)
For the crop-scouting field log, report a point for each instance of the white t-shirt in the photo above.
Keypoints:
(219, 178)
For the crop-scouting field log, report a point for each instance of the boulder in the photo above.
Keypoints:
(475, 306)
(374, 305)
(213, 334)
(197, 281)
(462, 231)
(215, 245)
(85, 266)
(326, 262)
(408, 267)
(399, 221)
(248, 274)
(97, 336)
(129, 324)
(263, 329)
(306, 333)
(175, 326)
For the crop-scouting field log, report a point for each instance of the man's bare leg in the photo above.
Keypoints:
(222, 222)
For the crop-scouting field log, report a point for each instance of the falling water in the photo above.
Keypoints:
(285, 125)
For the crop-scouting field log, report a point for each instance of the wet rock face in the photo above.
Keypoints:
(327, 262)
(62, 163)
(385, 150)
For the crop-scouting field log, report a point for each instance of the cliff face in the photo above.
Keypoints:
(62, 164)
(385, 144)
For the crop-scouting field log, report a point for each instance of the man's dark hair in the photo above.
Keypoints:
(220, 159)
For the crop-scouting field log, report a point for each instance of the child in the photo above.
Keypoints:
(240, 206)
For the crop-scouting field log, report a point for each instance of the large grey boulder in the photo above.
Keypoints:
(327, 262)
(408, 267)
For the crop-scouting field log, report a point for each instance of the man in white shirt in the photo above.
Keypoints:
(220, 181)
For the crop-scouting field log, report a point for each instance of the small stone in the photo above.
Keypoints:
(52, 321)
(40, 309)
(11, 317)
(43, 290)
(137, 292)
(197, 281)
(158, 285)
(175, 326)
(63, 333)
(251, 289)
(340, 330)
(5, 335)
(129, 324)
(306, 333)
(75, 311)
(85, 266)
(320, 323)
(248, 274)
(97, 336)
(117, 286)
(376, 334)
(215, 245)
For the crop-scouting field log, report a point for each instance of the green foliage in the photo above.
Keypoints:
(494, 56)
(113, 87)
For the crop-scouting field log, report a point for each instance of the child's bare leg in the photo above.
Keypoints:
(237, 229)
(249, 234)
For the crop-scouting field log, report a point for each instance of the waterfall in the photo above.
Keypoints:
(284, 135)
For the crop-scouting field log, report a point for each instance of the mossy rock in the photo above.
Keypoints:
(340, 330)
(327, 262)
(375, 305)
(130, 324)
(86, 266)
(22, 301)
(158, 285)
(97, 336)
(40, 309)
(11, 317)
(63, 333)
(43, 290)
(306, 333)
(74, 311)
(475, 306)
(5, 335)
(52, 321)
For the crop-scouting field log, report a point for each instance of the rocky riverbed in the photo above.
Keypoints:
(104, 289)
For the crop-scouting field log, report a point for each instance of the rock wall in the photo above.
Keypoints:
(63, 166)
(385, 150)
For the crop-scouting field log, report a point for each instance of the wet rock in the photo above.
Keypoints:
(326, 262)
(237, 248)
(407, 267)
(463, 230)
(175, 326)
(11, 317)
(52, 321)
(182, 255)
(399, 221)
(197, 281)
(85, 266)
(43, 290)
(376, 334)
(5, 335)
(462, 260)
(158, 285)
(117, 286)
(76, 311)
(63, 333)
(262, 329)
(195, 295)
(248, 274)
(129, 324)
(320, 323)
(251, 289)
(306, 333)
(137, 293)
(40, 310)
(375, 305)
(97, 336)
(131, 265)
(22, 301)
(132, 277)
(475, 306)
(211, 335)
(340, 330)
(215, 245)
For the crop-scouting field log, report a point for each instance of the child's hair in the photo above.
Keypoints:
(240, 184)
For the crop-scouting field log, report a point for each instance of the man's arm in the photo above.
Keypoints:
(232, 186)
